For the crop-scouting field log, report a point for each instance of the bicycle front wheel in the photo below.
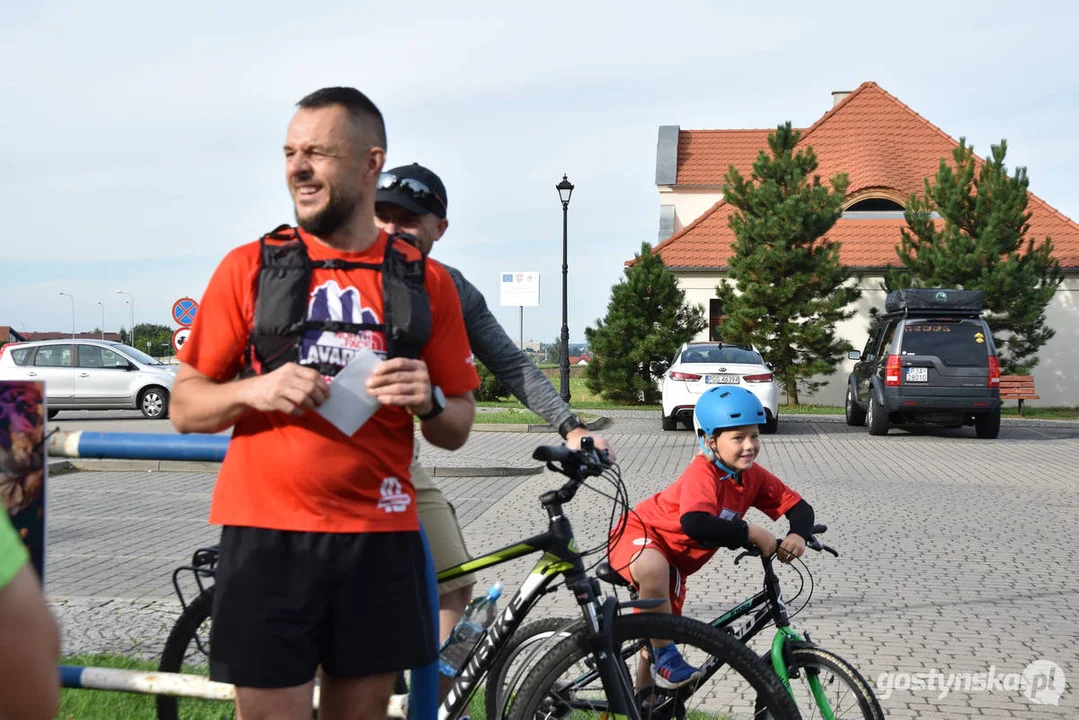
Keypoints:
(565, 683)
(847, 693)
(524, 646)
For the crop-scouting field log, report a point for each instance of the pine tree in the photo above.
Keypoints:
(786, 288)
(647, 320)
(983, 244)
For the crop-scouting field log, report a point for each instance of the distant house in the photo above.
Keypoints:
(580, 359)
(10, 334)
(887, 150)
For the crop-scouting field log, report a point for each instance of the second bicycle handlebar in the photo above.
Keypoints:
(812, 542)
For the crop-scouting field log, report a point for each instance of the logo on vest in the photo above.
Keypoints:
(329, 302)
(394, 498)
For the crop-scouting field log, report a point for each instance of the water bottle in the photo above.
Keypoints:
(478, 616)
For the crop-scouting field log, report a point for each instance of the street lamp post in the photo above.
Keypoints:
(565, 190)
(131, 332)
(102, 319)
(72, 313)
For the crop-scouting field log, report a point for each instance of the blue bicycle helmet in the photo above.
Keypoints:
(725, 407)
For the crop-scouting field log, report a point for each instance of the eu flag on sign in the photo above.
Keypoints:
(507, 277)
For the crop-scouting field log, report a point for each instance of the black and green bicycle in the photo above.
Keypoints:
(822, 683)
(747, 687)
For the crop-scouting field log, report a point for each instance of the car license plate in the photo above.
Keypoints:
(916, 374)
(721, 379)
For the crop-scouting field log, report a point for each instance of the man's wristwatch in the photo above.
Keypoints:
(438, 403)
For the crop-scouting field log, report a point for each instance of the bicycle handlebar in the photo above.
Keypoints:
(812, 542)
(577, 465)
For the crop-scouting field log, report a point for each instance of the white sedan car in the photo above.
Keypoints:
(700, 366)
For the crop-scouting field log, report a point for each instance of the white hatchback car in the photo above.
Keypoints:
(91, 375)
(699, 366)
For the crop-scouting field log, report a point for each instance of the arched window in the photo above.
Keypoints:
(875, 204)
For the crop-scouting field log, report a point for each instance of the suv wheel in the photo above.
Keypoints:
(154, 402)
(878, 417)
(854, 413)
(987, 425)
(669, 423)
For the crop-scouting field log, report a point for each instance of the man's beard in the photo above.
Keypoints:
(329, 220)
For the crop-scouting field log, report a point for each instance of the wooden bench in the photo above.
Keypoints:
(1017, 387)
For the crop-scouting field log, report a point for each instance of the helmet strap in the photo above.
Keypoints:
(709, 452)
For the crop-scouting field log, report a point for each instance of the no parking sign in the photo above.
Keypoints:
(183, 311)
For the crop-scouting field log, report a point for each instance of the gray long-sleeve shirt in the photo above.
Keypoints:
(497, 351)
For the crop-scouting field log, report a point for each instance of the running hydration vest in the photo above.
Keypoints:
(284, 282)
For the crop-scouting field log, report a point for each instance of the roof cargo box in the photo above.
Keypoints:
(934, 301)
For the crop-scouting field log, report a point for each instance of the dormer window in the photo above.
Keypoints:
(875, 205)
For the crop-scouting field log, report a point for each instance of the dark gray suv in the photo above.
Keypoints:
(931, 360)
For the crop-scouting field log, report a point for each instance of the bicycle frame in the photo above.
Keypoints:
(764, 607)
(560, 557)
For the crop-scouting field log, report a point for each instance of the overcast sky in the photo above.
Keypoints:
(142, 141)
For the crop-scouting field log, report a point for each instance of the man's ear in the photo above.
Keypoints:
(376, 159)
(443, 224)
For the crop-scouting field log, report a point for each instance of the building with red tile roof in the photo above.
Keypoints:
(887, 150)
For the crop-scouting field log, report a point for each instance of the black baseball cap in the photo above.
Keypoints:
(414, 188)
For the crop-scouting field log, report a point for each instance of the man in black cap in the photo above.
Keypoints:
(411, 199)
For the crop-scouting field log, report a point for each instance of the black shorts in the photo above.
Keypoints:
(287, 602)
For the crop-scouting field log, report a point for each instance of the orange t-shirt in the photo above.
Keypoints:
(302, 473)
(702, 488)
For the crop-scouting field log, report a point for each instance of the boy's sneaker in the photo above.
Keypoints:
(672, 670)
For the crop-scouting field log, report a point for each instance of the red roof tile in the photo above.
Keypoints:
(705, 155)
(873, 137)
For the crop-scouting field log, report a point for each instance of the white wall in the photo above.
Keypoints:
(689, 204)
(1056, 377)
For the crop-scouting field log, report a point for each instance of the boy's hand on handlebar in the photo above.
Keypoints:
(764, 541)
(573, 441)
(793, 546)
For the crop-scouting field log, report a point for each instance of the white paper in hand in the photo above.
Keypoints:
(350, 405)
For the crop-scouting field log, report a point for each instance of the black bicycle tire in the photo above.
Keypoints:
(867, 700)
(720, 644)
(509, 650)
(183, 632)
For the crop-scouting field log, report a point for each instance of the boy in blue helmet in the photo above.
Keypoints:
(676, 531)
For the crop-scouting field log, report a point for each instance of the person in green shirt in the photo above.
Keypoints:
(29, 639)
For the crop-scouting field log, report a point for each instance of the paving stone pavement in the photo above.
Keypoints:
(953, 551)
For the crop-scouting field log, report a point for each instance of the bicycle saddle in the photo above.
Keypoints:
(605, 573)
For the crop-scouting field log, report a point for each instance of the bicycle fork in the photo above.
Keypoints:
(783, 658)
(617, 685)
(783, 650)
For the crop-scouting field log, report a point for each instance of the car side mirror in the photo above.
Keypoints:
(131, 367)
(854, 354)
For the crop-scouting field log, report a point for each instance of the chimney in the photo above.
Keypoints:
(838, 95)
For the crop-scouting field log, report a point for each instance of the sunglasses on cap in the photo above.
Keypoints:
(411, 187)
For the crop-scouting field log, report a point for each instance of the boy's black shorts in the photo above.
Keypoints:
(287, 602)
